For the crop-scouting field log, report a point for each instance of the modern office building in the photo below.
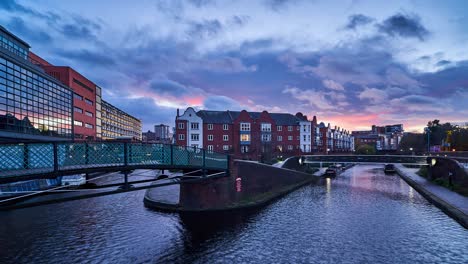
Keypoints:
(33, 105)
(85, 96)
(118, 124)
(255, 135)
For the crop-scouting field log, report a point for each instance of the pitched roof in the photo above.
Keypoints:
(227, 117)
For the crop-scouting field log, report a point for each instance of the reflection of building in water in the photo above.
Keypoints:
(33, 105)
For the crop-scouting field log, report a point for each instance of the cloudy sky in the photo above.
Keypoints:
(351, 63)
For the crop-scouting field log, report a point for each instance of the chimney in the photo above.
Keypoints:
(177, 112)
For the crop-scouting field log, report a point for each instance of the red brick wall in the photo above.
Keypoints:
(181, 132)
(218, 133)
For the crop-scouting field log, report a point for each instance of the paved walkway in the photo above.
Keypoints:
(449, 198)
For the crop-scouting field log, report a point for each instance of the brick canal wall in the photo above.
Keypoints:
(249, 184)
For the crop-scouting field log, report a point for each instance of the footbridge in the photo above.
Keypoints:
(26, 161)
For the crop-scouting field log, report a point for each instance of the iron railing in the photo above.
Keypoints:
(59, 157)
(366, 159)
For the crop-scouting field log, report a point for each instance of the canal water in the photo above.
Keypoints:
(362, 216)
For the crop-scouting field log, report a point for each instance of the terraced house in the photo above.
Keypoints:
(251, 135)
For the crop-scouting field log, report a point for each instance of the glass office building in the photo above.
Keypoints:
(33, 105)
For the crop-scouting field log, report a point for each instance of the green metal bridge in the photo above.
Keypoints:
(26, 161)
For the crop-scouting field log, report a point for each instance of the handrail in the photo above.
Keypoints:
(17, 159)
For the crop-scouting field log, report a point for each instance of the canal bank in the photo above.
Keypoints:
(451, 203)
(249, 184)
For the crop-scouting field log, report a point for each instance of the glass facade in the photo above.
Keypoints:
(31, 103)
(116, 123)
(11, 43)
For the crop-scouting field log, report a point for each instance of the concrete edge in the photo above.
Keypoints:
(446, 207)
(231, 207)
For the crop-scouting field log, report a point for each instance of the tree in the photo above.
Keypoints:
(365, 150)
(413, 140)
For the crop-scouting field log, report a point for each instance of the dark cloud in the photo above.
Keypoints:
(278, 5)
(205, 29)
(221, 103)
(32, 35)
(13, 6)
(201, 3)
(168, 87)
(443, 63)
(77, 31)
(239, 20)
(358, 20)
(88, 57)
(407, 26)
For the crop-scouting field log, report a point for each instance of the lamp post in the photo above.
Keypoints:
(412, 153)
(428, 131)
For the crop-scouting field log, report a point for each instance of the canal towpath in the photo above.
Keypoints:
(452, 203)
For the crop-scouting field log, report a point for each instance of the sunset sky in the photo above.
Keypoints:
(350, 63)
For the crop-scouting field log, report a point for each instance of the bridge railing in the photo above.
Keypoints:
(32, 158)
(367, 158)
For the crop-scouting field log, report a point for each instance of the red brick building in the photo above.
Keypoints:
(248, 135)
(84, 98)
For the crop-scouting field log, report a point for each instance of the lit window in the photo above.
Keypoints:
(245, 137)
(77, 123)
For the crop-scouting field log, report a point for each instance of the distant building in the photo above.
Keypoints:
(117, 123)
(162, 132)
(384, 138)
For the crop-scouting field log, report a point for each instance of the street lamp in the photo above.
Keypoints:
(428, 131)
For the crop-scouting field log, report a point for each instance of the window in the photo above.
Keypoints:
(290, 128)
(290, 137)
(305, 138)
(244, 149)
(225, 137)
(266, 137)
(245, 137)
(88, 101)
(78, 110)
(225, 127)
(280, 138)
(244, 126)
(298, 138)
(194, 137)
(210, 126)
(225, 147)
(77, 96)
(210, 147)
(194, 126)
(89, 114)
(180, 126)
(290, 147)
(77, 123)
(210, 137)
(181, 137)
(266, 127)
(279, 128)
(89, 125)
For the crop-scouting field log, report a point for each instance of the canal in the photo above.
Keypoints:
(362, 216)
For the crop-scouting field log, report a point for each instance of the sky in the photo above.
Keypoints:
(351, 63)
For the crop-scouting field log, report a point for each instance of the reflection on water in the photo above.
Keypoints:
(361, 216)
